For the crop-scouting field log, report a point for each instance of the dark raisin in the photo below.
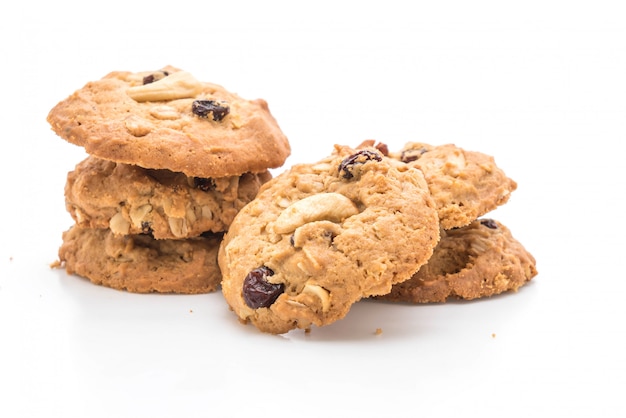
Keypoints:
(257, 291)
(146, 228)
(204, 184)
(489, 223)
(412, 154)
(202, 108)
(347, 165)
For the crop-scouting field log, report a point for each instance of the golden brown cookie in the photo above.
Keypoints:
(169, 120)
(464, 184)
(129, 199)
(321, 236)
(479, 260)
(141, 264)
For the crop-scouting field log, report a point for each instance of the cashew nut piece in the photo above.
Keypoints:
(179, 85)
(333, 207)
(119, 225)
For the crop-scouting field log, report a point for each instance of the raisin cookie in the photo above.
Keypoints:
(464, 184)
(479, 260)
(167, 119)
(321, 236)
(141, 264)
(129, 199)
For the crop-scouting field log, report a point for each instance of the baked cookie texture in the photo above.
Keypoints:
(464, 184)
(321, 236)
(130, 199)
(140, 263)
(167, 119)
(479, 260)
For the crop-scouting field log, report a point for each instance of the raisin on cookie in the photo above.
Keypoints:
(169, 120)
(464, 184)
(321, 236)
(479, 260)
(129, 199)
(141, 264)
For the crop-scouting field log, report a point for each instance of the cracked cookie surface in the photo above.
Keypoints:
(141, 264)
(479, 260)
(321, 236)
(167, 119)
(464, 184)
(129, 199)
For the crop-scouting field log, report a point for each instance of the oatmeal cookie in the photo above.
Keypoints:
(321, 236)
(129, 199)
(479, 260)
(464, 184)
(141, 264)
(169, 120)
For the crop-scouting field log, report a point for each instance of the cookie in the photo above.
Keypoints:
(141, 264)
(321, 236)
(169, 120)
(129, 199)
(464, 184)
(479, 260)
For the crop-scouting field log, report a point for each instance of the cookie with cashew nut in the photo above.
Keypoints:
(140, 263)
(129, 199)
(464, 184)
(168, 119)
(321, 236)
(479, 260)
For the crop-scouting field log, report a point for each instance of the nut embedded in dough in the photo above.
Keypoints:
(179, 85)
(324, 206)
(320, 292)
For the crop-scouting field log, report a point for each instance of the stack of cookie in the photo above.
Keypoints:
(367, 223)
(171, 161)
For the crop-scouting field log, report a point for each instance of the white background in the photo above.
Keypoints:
(540, 85)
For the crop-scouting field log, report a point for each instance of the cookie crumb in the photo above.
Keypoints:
(53, 265)
(190, 310)
(378, 331)
(307, 331)
(493, 335)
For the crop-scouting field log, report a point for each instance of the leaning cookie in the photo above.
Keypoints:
(464, 184)
(141, 264)
(129, 199)
(479, 260)
(167, 119)
(321, 236)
